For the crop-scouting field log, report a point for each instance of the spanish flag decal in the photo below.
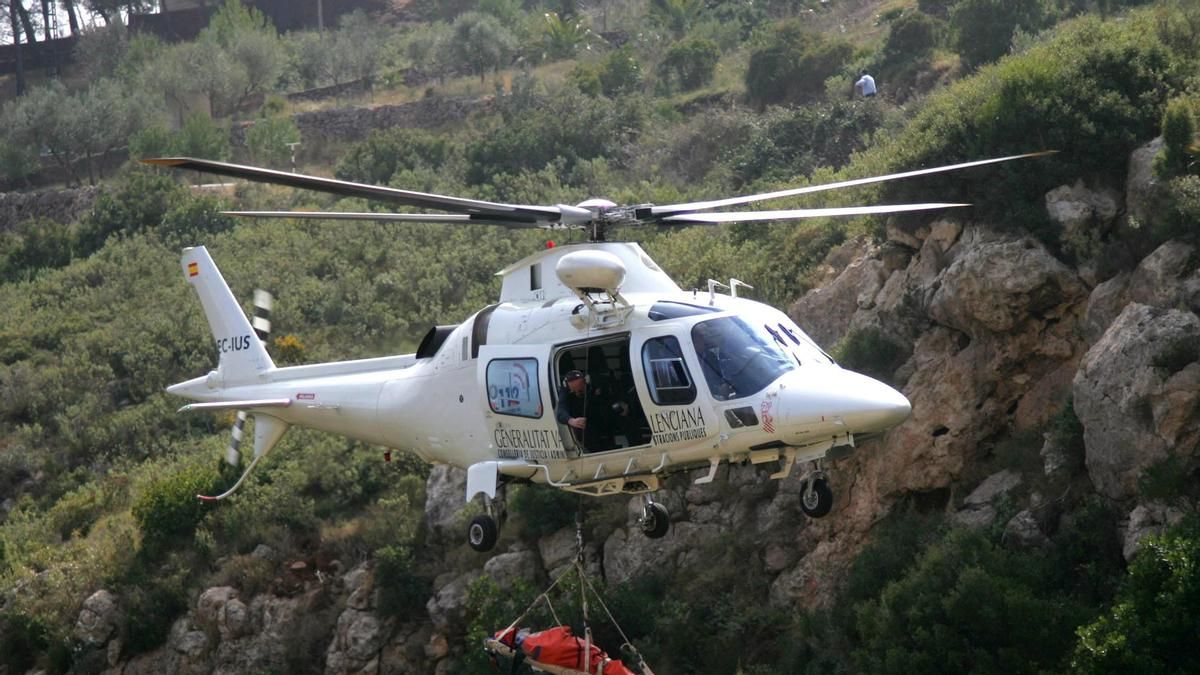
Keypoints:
(193, 269)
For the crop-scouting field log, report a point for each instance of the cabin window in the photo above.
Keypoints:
(513, 387)
(668, 309)
(737, 361)
(667, 373)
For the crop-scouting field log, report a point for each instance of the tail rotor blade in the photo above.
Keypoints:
(262, 314)
(233, 456)
(262, 329)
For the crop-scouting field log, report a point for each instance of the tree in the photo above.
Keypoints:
(911, 37)
(100, 50)
(563, 35)
(966, 605)
(268, 140)
(1152, 626)
(792, 64)
(1179, 138)
(983, 29)
(676, 16)
(480, 44)
(251, 43)
(691, 62)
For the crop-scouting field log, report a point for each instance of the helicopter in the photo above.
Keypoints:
(594, 372)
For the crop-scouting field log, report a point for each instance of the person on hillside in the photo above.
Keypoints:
(865, 85)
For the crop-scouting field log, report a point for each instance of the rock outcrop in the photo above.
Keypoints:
(1137, 393)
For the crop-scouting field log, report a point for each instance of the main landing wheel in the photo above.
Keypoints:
(817, 499)
(482, 533)
(655, 520)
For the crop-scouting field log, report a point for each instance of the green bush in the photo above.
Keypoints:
(543, 510)
(268, 139)
(34, 245)
(194, 220)
(792, 63)
(168, 508)
(786, 142)
(1118, 71)
(691, 62)
(871, 352)
(1152, 627)
(1181, 216)
(202, 137)
(983, 29)
(139, 201)
(966, 605)
(153, 141)
(386, 151)
(402, 591)
(22, 639)
(149, 609)
(911, 37)
(1179, 136)
(620, 72)
(534, 133)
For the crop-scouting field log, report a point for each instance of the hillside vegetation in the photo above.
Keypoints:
(700, 100)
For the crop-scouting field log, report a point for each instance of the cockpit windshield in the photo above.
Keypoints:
(737, 361)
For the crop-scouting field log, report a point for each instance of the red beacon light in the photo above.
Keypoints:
(550, 244)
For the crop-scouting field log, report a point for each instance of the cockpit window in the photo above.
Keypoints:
(737, 361)
(666, 309)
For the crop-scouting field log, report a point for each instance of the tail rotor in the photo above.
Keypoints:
(262, 329)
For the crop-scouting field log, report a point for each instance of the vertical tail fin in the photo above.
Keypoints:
(242, 355)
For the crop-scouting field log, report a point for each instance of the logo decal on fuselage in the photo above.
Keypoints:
(674, 426)
(527, 443)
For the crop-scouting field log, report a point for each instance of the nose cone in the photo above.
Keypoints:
(853, 402)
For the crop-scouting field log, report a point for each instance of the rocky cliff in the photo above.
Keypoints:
(1000, 335)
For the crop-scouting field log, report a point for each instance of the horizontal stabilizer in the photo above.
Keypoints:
(238, 405)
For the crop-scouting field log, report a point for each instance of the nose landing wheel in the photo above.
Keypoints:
(817, 498)
(655, 520)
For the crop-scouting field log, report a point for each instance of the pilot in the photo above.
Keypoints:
(714, 356)
(576, 405)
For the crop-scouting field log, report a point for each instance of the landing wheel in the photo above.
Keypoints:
(817, 499)
(482, 533)
(655, 520)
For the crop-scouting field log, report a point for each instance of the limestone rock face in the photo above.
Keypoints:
(1137, 394)
(98, 618)
(825, 312)
(1140, 183)
(1023, 531)
(978, 510)
(628, 554)
(1145, 520)
(1076, 207)
(506, 569)
(445, 496)
(447, 604)
(998, 284)
(358, 640)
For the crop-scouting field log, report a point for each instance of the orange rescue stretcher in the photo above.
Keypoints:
(555, 650)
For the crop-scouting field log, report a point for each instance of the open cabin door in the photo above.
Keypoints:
(518, 409)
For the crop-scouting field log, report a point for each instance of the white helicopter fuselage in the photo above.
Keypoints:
(483, 395)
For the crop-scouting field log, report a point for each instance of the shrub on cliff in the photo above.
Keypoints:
(168, 507)
(1092, 91)
(1152, 627)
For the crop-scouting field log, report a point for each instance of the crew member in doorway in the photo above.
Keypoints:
(586, 413)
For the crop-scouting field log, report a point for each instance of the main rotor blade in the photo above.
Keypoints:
(733, 201)
(795, 214)
(402, 217)
(349, 189)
